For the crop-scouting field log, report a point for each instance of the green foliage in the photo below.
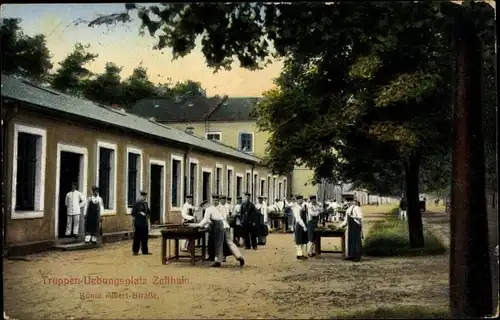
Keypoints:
(22, 54)
(403, 312)
(390, 238)
(72, 70)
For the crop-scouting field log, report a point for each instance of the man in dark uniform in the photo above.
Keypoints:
(141, 214)
(249, 222)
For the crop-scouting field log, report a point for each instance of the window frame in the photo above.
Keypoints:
(211, 184)
(218, 167)
(248, 181)
(140, 170)
(180, 196)
(113, 175)
(262, 186)
(230, 185)
(255, 186)
(214, 133)
(39, 173)
(252, 144)
(269, 189)
(239, 175)
(196, 195)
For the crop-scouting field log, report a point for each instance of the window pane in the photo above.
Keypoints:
(26, 171)
(175, 183)
(105, 176)
(133, 172)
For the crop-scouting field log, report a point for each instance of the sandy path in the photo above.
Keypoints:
(267, 287)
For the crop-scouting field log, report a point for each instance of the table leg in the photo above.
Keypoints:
(342, 245)
(203, 248)
(318, 245)
(164, 251)
(191, 250)
(176, 248)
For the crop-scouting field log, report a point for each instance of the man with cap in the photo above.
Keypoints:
(210, 243)
(217, 219)
(188, 216)
(249, 222)
(236, 224)
(300, 233)
(263, 216)
(314, 210)
(94, 207)
(229, 206)
(141, 214)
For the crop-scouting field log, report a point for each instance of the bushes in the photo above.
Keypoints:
(408, 312)
(390, 238)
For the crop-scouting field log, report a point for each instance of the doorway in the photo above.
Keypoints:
(206, 185)
(71, 166)
(156, 192)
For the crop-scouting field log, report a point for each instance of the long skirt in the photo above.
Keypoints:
(311, 226)
(353, 239)
(300, 235)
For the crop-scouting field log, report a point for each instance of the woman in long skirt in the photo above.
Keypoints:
(354, 234)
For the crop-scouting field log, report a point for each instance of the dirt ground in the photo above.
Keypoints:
(273, 284)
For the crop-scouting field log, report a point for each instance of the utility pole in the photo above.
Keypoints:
(470, 273)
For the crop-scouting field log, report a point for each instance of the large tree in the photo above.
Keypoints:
(105, 88)
(380, 71)
(73, 73)
(22, 54)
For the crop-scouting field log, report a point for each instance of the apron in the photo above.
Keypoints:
(92, 218)
(299, 233)
(185, 243)
(311, 226)
(218, 239)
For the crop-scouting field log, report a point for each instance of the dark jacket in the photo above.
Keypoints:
(139, 219)
(403, 205)
(249, 213)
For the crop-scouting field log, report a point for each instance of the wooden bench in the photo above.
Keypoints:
(318, 234)
(197, 238)
(278, 218)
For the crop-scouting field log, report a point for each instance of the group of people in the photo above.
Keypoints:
(93, 207)
(228, 225)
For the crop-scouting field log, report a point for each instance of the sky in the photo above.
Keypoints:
(124, 46)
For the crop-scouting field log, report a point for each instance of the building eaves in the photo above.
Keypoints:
(23, 91)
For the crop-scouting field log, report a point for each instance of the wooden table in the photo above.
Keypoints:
(279, 218)
(318, 234)
(186, 233)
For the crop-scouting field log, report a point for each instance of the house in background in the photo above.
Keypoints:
(228, 121)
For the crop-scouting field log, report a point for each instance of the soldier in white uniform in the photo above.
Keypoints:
(74, 204)
(300, 233)
(188, 216)
(218, 219)
(314, 210)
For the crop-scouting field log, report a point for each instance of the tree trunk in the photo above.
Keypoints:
(470, 273)
(415, 228)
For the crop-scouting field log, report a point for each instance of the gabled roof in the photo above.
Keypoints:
(235, 109)
(197, 109)
(165, 110)
(20, 90)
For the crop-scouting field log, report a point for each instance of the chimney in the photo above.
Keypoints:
(189, 130)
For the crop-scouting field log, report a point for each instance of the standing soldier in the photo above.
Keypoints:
(141, 214)
(236, 222)
(249, 221)
(188, 216)
(300, 233)
(74, 203)
(313, 212)
(94, 207)
(354, 233)
(262, 226)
